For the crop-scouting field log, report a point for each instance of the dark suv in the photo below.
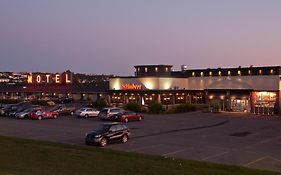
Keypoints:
(107, 132)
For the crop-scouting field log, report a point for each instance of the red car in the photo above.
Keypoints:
(39, 115)
(127, 116)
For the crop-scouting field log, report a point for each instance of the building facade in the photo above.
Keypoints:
(55, 86)
(247, 89)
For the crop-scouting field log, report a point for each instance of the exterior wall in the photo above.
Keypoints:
(279, 97)
(76, 97)
(201, 83)
(150, 83)
(93, 97)
(235, 82)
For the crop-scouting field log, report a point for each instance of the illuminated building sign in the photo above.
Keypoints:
(131, 86)
(64, 78)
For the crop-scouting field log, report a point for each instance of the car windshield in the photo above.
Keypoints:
(28, 110)
(52, 109)
(104, 111)
(83, 109)
(102, 128)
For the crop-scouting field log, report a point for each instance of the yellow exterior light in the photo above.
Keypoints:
(239, 72)
(202, 74)
(219, 73)
(228, 73)
(193, 74)
(210, 73)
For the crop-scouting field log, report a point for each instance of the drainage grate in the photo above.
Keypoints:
(240, 134)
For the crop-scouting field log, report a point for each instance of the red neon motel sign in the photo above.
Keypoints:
(65, 77)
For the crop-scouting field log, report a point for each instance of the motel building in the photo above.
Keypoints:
(53, 85)
(241, 89)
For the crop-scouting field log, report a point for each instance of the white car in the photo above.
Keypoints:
(87, 112)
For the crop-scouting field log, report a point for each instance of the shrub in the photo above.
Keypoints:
(40, 102)
(10, 101)
(184, 108)
(133, 107)
(155, 108)
(99, 104)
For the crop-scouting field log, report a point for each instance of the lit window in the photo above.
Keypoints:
(219, 73)
(239, 72)
(229, 73)
(210, 73)
(260, 71)
(166, 69)
(156, 69)
(138, 69)
(145, 69)
(201, 74)
(193, 74)
(249, 72)
(271, 71)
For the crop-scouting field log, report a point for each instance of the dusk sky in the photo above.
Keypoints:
(111, 36)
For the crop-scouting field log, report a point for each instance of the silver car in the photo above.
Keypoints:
(87, 112)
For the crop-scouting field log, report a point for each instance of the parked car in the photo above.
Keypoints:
(64, 109)
(87, 112)
(63, 100)
(26, 113)
(44, 114)
(2, 107)
(20, 109)
(10, 110)
(106, 133)
(107, 113)
(127, 116)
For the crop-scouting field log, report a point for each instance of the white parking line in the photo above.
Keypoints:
(174, 152)
(273, 158)
(214, 156)
(145, 147)
(257, 160)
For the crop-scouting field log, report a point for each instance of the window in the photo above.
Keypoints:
(119, 127)
(166, 69)
(271, 71)
(145, 69)
(239, 72)
(202, 74)
(228, 73)
(249, 72)
(210, 73)
(260, 72)
(156, 69)
(113, 128)
(193, 74)
(219, 73)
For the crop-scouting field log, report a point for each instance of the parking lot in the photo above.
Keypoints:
(228, 138)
